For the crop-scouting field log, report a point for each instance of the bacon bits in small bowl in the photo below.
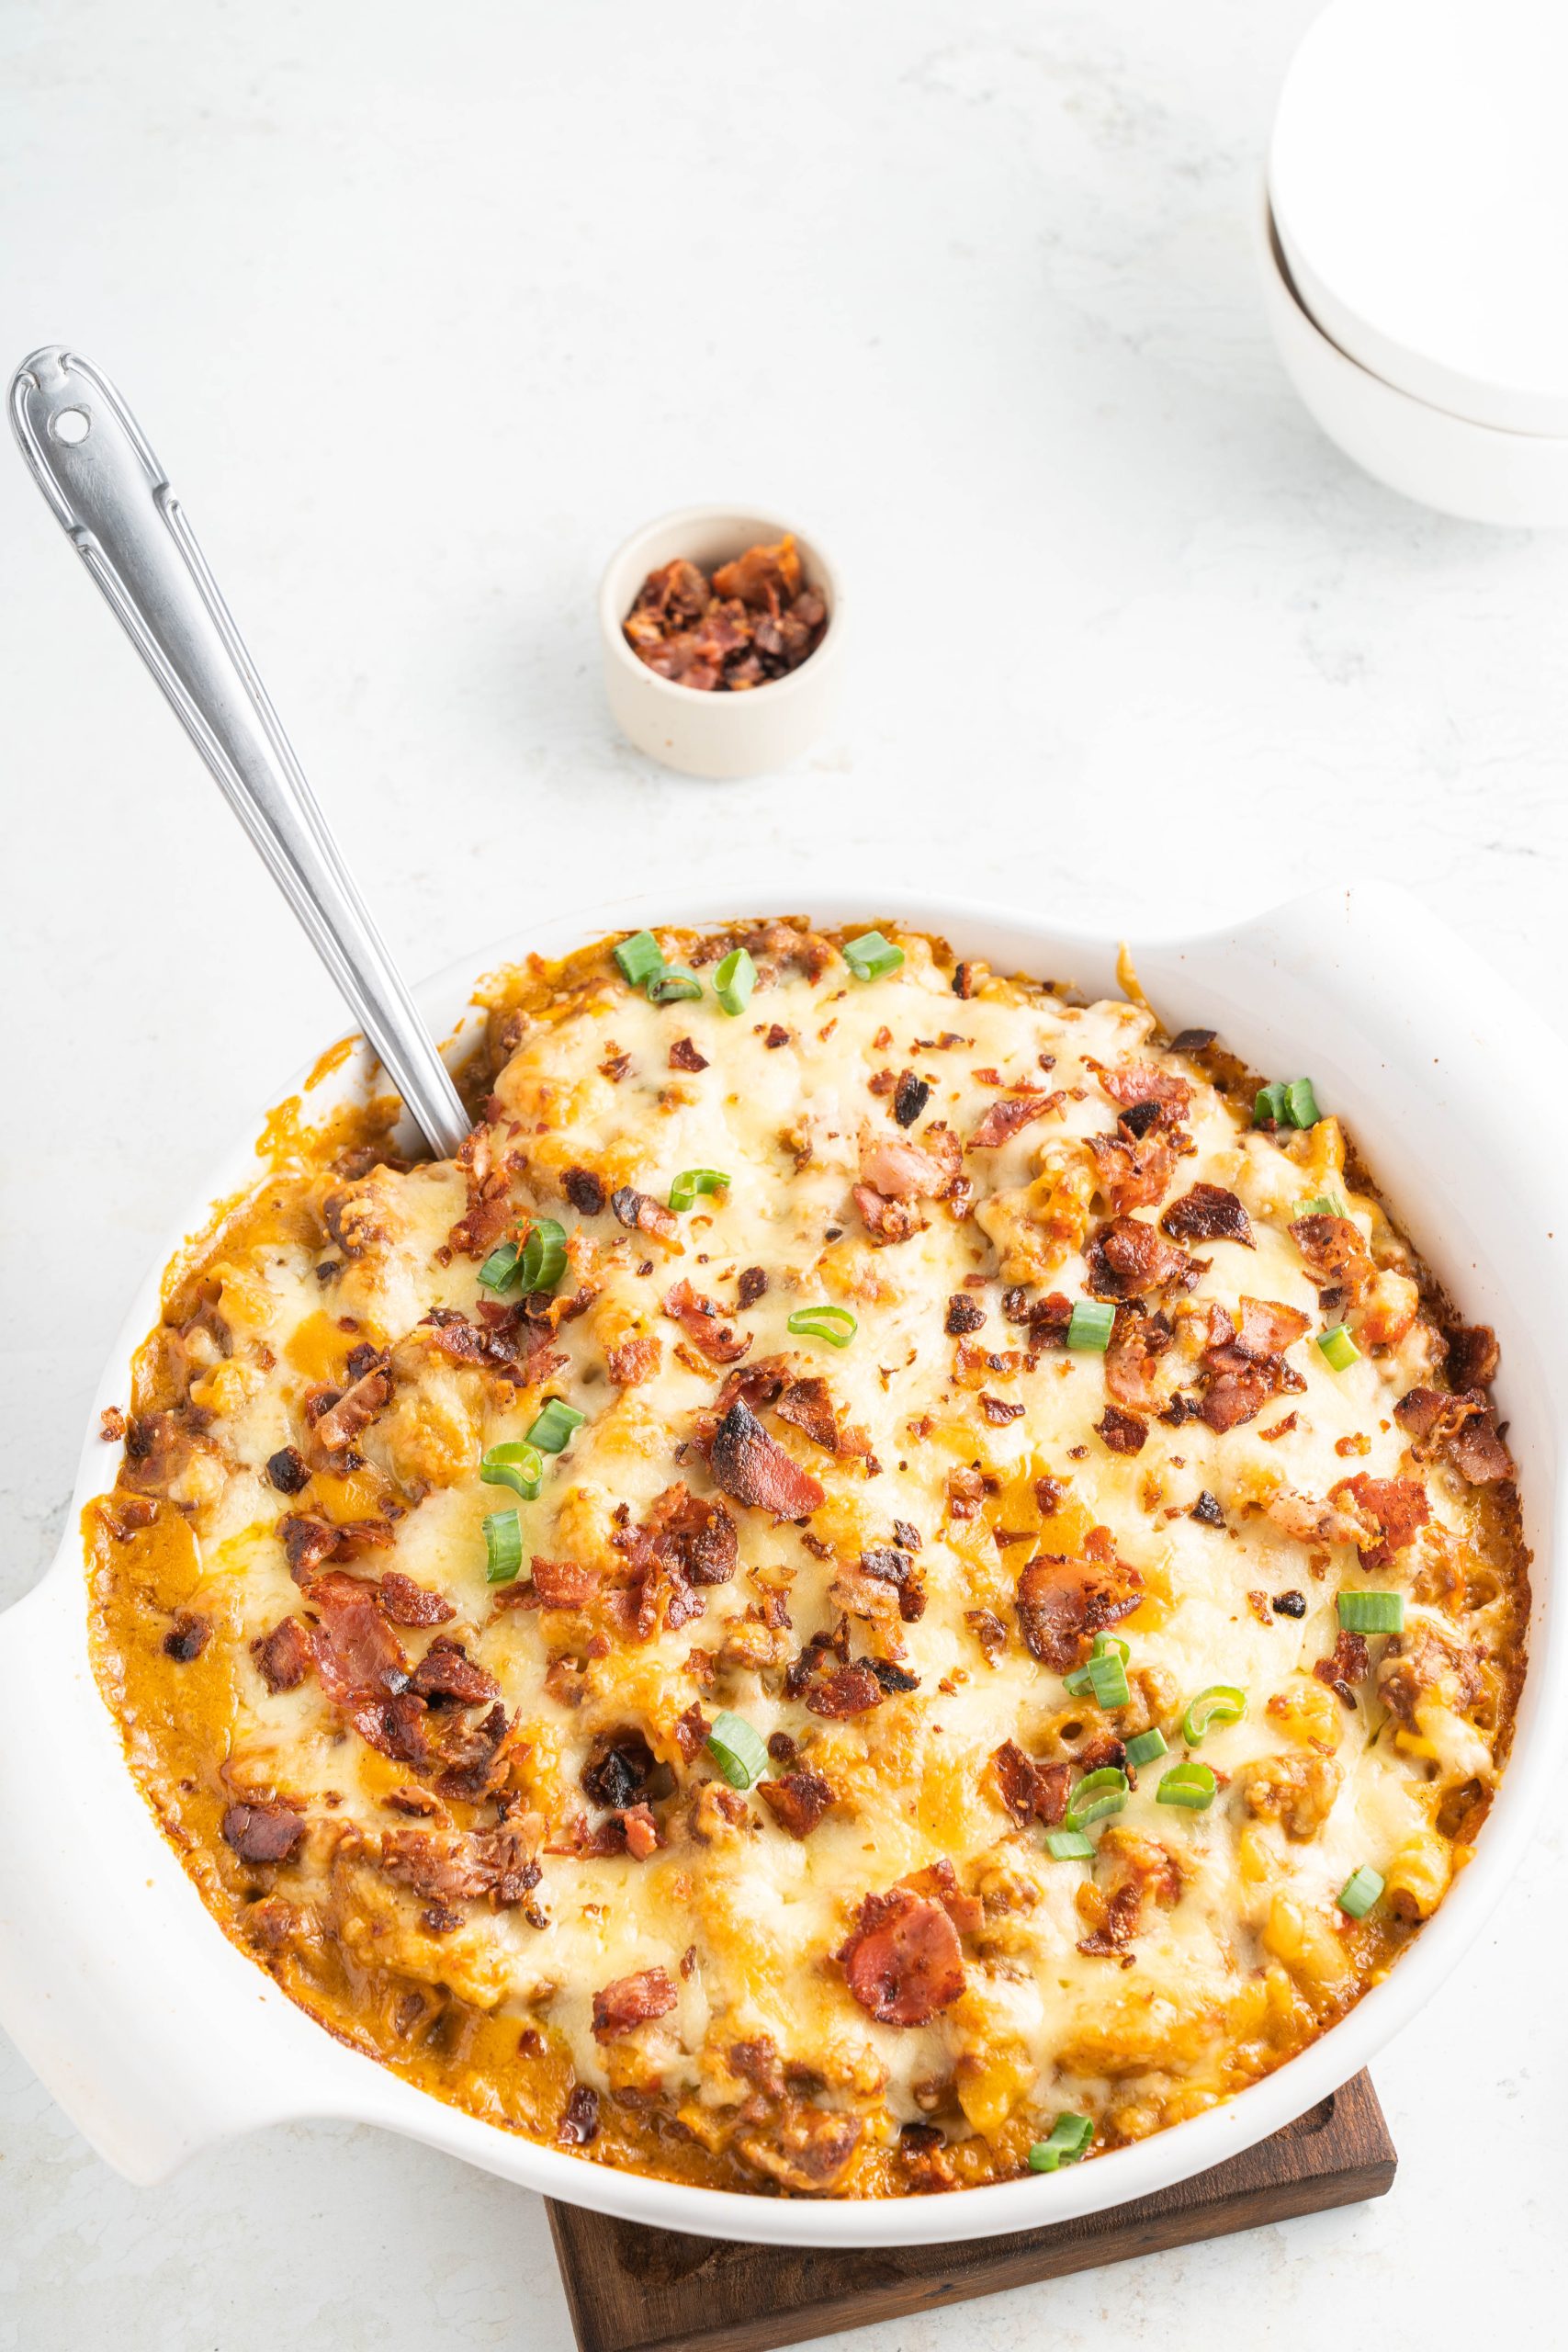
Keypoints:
(722, 635)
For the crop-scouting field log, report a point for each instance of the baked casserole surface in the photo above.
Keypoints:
(696, 1785)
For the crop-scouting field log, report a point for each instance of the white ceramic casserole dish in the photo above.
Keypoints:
(159, 2038)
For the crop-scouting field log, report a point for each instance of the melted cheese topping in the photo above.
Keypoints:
(1193, 1952)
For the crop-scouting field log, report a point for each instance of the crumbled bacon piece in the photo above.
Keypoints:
(1047, 1319)
(686, 1541)
(963, 1315)
(989, 1631)
(446, 1672)
(758, 620)
(288, 1471)
(1063, 1603)
(462, 1866)
(1008, 1117)
(885, 1221)
(631, 2001)
(1463, 1428)
(886, 1565)
(404, 1602)
(1208, 1213)
(1142, 1083)
(1346, 1666)
(283, 1656)
(847, 1690)
(699, 1317)
(642, 1213)
(807, 1405)
(752, 1286)
(903, 1962)
(1123, 1432)
(187, 1636)
(1127, 1259)
(584, 1190)
(1133, 1171)
(1139, 1341)
(797, 1802)
(909, 1098)
(1243, 1364)
(907, 1171)
(633, 1361)
(1337, 1258)
(1473, 1356)
(683, 1055)
(563, 1584)
(1397, 1509)
(1031, 1792)
(306, 1543)
(354, 1410)
(754, 1467)
(262, 1833)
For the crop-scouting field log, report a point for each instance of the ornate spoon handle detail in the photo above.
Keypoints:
(112, 496)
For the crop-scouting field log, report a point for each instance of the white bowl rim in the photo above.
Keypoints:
(1365, 934)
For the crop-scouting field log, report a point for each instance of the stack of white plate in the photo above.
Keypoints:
(1415, 248)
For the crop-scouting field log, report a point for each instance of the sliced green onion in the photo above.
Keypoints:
(1147, 1746)
(1069, 1846)
(1359, 1891)
(517, 1465)
(543, 1254)
(500, 1269)
(555, 1426)
(639, 957)
(1091, 1324)
(834, 1324)
(1338, 1348)
(1323, 1204)
(693, 1180)
(504, 1546)
(734, 981)
(872, 958)
(1191, 1784)
(1221, 1702)
(1372, 1613)
(1068, 2143)
(675, 985)
(1097, 1794)
(739, 1752)
(1106, 1676)
(1289, 1103)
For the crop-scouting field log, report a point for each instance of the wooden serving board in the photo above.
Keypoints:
(632, 2289)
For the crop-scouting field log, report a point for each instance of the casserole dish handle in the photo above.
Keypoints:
(155, 2045)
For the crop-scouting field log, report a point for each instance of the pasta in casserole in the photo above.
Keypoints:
(892, 1579)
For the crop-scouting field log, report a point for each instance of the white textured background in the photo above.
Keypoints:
(426, 308)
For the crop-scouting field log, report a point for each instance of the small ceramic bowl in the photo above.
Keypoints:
(1478, 471)
(717, 735)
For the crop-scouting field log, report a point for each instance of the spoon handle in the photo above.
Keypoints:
(109, 493)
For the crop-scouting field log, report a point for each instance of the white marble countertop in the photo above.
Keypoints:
(425, 310)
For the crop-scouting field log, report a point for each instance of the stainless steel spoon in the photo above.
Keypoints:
(92, 462)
